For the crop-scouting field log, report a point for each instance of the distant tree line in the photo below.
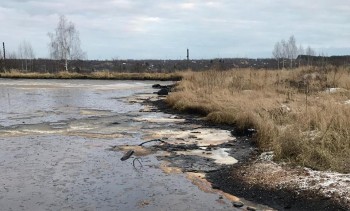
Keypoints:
(288, 51)
(137, 66)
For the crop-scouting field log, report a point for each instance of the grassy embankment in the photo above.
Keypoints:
(291, 110)
(103, 75)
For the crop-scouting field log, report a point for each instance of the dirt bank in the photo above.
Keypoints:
(261, 180)
(277, 186)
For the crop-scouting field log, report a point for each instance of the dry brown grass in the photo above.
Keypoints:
(291, 110)
(95, 75)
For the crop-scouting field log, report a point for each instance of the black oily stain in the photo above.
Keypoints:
(228, 179)
(194, 163)
(191, 163)
(188, 163)
(241, 148)
(176, 147)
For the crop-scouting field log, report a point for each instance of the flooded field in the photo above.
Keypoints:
(56, 138)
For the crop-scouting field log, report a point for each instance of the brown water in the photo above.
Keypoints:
(54, 140)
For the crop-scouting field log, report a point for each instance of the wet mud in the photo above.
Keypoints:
(232, 180)
(61, 144)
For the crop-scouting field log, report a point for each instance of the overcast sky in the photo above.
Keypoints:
(163, 29)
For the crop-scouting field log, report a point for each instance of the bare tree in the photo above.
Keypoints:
(277, 53)
(323, 57)
(25, 53)
(292, 50)
(310, 52)
(11, 55)
(285, 51)
(289, 51)
(301, 51)
(65, 42)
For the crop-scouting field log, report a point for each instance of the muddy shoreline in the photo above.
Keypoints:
(232, 178)
(54, 141)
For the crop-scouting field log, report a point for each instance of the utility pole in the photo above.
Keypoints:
(3, 47)
(188, 58)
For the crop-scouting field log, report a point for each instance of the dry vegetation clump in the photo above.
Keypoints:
(94, 75)
(303, 115)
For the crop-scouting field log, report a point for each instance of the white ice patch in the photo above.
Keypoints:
(201, 137)
(220, 156)
(328, 183)
(157, 119)
(81, 127)
(334, 90)
(30, 131)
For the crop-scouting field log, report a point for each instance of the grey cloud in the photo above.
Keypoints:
(158, 29)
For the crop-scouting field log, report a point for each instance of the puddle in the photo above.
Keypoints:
(54, 141)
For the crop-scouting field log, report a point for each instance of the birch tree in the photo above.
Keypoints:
(277, 53)
(292, 50)
(285, 51)
(65, 42)
(310, 52)
(25, 53)
(11, 55)
(301, 51)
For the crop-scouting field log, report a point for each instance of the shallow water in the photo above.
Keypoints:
(54, 141)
